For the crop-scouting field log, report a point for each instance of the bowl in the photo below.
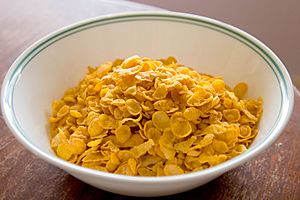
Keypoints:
(59, 60)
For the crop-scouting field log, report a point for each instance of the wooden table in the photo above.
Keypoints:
(275, 174)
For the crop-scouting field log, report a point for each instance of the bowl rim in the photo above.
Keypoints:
(13, 74)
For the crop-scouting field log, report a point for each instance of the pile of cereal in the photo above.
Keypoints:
(152, 118)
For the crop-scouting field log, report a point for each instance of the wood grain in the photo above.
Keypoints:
(275, 174)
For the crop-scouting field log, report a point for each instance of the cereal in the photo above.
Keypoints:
(180, 126)
(160, 92)
(240, 89)
(192, 114)
(133, 106)
(172, 169)
(184, 146)
(64, 151)
(141, 149)
(94, 127)
(161, 120)
(75, 114)
(107, 121)
(232, 115)
(123, 133)
(143, 117)
(112, 163)
(142, 171)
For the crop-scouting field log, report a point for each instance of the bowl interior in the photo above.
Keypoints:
(60, 61)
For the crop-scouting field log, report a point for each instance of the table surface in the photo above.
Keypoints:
(275, 174)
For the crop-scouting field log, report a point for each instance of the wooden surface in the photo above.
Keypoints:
(275, 174)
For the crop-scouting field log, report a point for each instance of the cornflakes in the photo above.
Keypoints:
(123, 133)
(143, 117)
(160, 120)
(240, 89)
(180, 126)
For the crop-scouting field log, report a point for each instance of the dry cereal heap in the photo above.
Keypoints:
(143, 117)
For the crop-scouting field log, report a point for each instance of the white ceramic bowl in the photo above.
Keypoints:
(59, 60)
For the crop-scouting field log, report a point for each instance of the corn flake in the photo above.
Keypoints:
(123, 133)
(95, 127)
(133, 106)
(171, 169)
(160, 120)
(240, 89)
(180, 126)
